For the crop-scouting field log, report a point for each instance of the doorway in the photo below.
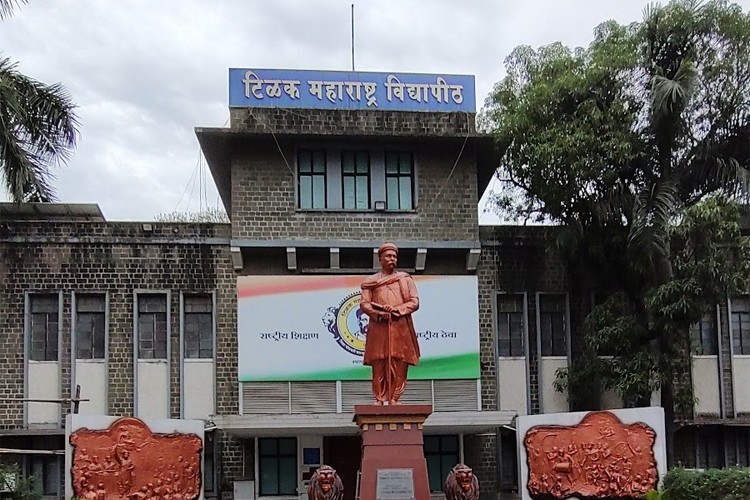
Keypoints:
(344, 453)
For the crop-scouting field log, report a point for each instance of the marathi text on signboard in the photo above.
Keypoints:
(311, 328)
(350, 90)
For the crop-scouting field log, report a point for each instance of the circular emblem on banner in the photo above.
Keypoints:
(348, 324)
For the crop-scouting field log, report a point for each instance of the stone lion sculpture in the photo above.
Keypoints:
(325, 484)
(461, 484)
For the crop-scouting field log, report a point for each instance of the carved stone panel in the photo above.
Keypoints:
(597, 458)
(128, 461)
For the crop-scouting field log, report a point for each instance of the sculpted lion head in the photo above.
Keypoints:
(325, 484)
(461, 484)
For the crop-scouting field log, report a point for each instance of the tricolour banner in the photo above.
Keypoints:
(311, 328)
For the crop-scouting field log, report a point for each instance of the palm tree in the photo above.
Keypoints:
(38, 129)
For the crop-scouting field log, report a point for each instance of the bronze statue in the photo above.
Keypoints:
(325, 484)
(389, 298)
(461, 484)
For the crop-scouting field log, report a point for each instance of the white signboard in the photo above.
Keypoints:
(311, 328)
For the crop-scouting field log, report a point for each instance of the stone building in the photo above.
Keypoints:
(168, 320)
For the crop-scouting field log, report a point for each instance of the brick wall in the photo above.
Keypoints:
(264, 200)
(117, 258)
(352, 122)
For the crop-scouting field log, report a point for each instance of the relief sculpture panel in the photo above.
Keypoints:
(128, 461)
(598, 458)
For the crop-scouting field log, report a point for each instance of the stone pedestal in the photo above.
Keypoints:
(393, 462)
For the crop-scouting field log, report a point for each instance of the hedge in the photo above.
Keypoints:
(723, 484)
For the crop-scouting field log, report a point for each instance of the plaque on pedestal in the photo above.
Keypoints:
(395, 484)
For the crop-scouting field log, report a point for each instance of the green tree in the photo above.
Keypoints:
(38, 129)
(617, 142)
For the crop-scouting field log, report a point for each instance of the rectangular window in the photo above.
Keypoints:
(704, 335)
(90, 326)
(152, 326)
(399, 180)
(311, 170)
(198, 326)
(553, 325)
(510, 325)
(278, 466)
(45, 473)
(741, 325)
(209, 478)
(441, 453)
(710, 448)
(355, 179)
(43, 326)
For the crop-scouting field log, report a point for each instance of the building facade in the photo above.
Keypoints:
(164, 320)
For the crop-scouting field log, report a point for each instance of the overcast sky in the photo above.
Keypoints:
(144, 73)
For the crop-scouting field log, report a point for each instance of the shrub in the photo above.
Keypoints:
(724, 484)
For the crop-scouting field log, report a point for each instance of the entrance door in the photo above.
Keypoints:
(344, 453)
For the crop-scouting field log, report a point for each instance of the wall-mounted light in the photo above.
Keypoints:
(379, 206)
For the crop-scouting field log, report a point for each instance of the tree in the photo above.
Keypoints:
(619, 143)
(38, 129)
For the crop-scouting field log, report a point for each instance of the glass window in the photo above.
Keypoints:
(152, 326)
(510, 325)
(45, 473)
(311, 170)
(198, 331)
(704, 335)
(741, 325)
(355, 179)
(441, 453)
(710, 448)
(90, 326)
(552, 325)
(399, 180)
(278, 466)
(44, 327)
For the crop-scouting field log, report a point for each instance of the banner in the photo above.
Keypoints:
(311, 328)
(285, 88)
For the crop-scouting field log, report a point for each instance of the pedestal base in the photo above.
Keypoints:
(393, 464)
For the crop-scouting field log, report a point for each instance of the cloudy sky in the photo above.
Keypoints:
(144, 73)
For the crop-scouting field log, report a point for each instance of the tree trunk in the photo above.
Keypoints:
(664, 275)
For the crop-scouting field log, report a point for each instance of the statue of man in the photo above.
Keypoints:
(388, 298)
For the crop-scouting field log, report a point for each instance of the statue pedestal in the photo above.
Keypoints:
(393, 464)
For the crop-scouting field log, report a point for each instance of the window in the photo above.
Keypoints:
(355, 179)
(152, 326)
(278, 466)
(741, 325)
(198, 330)
(510, 325)
(45, 471)
(312, 179)
(44, 327)
(710, 448)
(441, 453)
(552, 325)
(704, 335)
(209, 477)
(399, 180)
(90, 326)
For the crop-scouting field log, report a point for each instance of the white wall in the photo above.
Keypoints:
(91, 375)
(512, 384)
(153, 388)
(552, 401)
(198, 388)
(706, 385)
(43, 383)
(741, 374)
